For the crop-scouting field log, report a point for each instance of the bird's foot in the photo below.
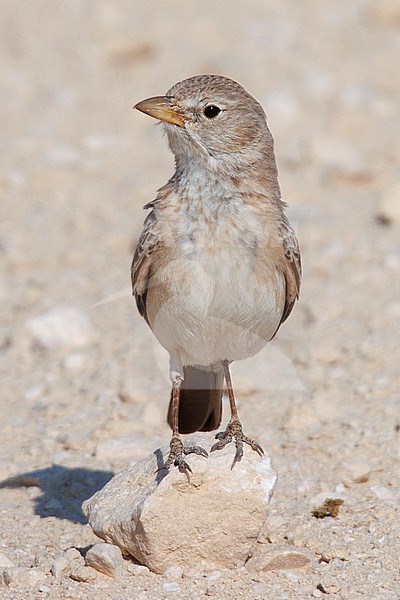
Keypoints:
(178, 452)
(234, 431)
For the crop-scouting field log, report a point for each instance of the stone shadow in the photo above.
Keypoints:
(63, 489)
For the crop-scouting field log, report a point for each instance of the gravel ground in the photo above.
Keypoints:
(84, 387)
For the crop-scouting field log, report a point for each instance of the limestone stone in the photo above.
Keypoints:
(60, 566)
(278, 558)
(83, 574)
(169, 519)
(62, 326)
(106, 559)
(134, 569)
(19, 577)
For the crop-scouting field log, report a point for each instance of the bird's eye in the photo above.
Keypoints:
(211, 111)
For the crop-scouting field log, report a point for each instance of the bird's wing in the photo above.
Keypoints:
(291, 267)
(142, 261)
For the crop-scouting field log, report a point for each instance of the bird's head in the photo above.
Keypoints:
(212, 120)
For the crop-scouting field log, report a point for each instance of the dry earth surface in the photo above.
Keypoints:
(91, 398)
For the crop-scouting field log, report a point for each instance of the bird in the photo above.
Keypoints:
(217, 268)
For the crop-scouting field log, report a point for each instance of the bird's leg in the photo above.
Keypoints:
(234, 429)
(178, 451)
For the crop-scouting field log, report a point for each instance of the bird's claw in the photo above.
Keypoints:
(177, 455)
(195, 450)
(182, 465)
(234, 431)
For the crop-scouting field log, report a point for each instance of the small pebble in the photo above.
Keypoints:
(84, 574)
(22, 577)
(173, 573)
(105, 558)
(34, 392)
(73, 554)
(74, 361)
(382, 492)
(171, 586)
(63, 326)
(214, 575)
(138, 570)
(280, 558)
(60, 565)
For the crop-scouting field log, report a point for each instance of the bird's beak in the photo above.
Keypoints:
(163, 108)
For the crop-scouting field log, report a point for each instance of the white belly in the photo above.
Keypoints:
(214, 306)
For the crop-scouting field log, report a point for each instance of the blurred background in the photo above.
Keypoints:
(83, 380)
(84, 385)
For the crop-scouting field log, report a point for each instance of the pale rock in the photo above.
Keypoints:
(214, 575)
(63, 326)
(5, 561)
(19, 577)
(340, 488)
(74, 556)
(83, 574)
(382, 492)
(34, 392)
(106, 559)
(171, 586)
(279, 558)
(138, 570)
(220, 511)
(360, 470)
(60, 565)
(74, 361)
(173, 573)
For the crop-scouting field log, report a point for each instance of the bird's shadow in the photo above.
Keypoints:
(63, 489)
(161, 470)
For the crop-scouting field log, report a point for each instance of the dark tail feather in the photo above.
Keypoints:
(200, 405)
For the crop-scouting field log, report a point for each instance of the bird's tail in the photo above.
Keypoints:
(200, 404)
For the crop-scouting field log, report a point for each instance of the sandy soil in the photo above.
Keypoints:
(78, 164)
